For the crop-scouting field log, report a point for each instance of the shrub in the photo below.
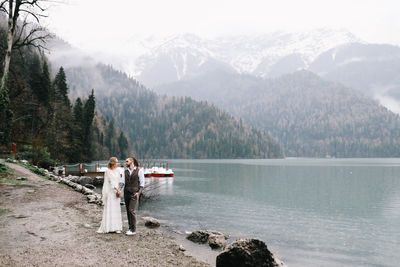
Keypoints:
(4, 170)
(37, 155)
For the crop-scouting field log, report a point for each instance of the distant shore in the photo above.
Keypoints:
(45, 223)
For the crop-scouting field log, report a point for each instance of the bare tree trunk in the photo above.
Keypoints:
(17, 40)
(12, 20)
(7, 56)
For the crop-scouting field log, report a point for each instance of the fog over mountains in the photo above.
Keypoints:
(299, 87)
(336, 55)
(373, 69)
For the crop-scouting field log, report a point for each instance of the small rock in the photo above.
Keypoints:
(78, 188)
(202, 236)
(74, 179)
(182, 248)
(199, 236)
(86, 225)
(87, 191)
(91, 198)
(31, 191)
(21, 178)
(90, 186)
(217, 241)
(151, 222)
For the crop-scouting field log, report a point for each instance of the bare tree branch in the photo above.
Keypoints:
(20, 34)
(2, 6)
(35, 15)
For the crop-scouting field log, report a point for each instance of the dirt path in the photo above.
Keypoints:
(43, 223)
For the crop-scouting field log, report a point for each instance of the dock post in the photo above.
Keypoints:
(14, 150)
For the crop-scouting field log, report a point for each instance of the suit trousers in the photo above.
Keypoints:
(130, 203)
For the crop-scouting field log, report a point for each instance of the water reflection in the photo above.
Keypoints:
(314, 212)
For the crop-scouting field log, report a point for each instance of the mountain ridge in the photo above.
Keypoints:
(167, 127)
(310, 117)
(176, 56)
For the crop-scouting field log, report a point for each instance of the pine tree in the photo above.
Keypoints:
(35, 82)
(76, 135)
(123, 145)
(109, 136)
(63, 147)
(78, 111)
(46, 84)
(61, 87)
(88, 115)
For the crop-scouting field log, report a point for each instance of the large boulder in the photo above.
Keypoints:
(246, 253)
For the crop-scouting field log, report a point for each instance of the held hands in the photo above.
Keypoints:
(118, 193)
(136, 195)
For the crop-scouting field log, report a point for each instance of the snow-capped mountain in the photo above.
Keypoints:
(177, 58)
(248, 53)
(182, 56)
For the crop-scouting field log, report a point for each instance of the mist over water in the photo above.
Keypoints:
(310, 212)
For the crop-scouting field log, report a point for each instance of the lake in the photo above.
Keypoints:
(310, 212)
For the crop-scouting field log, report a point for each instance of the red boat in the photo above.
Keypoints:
(158, 172)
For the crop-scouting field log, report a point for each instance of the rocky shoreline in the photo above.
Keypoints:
(44, 223)
(216, 240)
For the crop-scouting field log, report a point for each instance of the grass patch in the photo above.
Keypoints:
(34, 169)
(5, 170)
(9, 181)
(4, 211)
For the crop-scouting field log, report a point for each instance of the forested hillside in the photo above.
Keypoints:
(310, 117)
(47, 126)
(164, 127)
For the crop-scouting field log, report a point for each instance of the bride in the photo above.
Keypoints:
(112, 220)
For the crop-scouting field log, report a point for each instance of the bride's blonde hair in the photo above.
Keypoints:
(112, 162)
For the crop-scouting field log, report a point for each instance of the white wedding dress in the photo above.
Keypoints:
(112, 219)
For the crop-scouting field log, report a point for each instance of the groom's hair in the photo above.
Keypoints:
(135, 161)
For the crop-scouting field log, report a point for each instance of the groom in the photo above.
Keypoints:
(134, 183)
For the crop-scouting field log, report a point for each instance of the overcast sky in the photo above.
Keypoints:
(101, 24)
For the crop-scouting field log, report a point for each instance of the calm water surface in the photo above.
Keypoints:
(310, 212)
